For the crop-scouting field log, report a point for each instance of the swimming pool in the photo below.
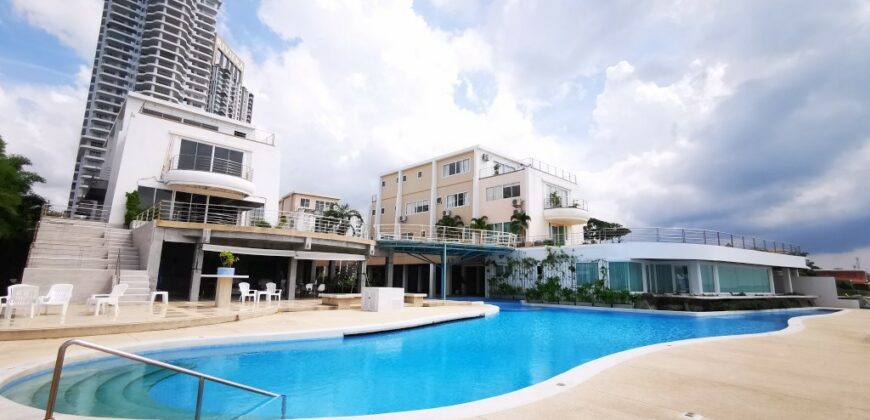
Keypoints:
(387, 372)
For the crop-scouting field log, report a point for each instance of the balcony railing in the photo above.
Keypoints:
(80, 211)
(208, 164)
(668, 235)
(444, 234)
(214, 214)
(550, 169)
(552, 203)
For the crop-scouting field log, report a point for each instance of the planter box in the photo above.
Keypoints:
(624, 305)
(226, 271)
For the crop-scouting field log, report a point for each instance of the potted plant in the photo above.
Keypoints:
(227, 262)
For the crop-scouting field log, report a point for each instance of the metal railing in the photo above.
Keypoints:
(501, 169)
(208, 164)
(61, 355)
(558, 203)
(300, 221)
(444, 234)
(81, 211)
(669, 235)
(550, 169)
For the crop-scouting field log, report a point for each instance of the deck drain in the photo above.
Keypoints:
(691, 415)
(560, 384)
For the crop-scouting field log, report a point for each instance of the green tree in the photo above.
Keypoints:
(20, 209)
(520, 224)
(599, 230)
(451, 221)
(344, 218)
(132, 205)
(480, 223)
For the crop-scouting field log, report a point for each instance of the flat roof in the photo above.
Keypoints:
(331, 197)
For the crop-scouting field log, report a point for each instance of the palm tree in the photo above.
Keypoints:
(447, 221)
(344, 218)
(519, 223)
(480, 223)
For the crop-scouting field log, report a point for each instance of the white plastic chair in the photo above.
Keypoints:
(271, 291)
(245, 292)
(309, 288)
(58, 295)
(20, 295)
(112, 299)
(321, 288)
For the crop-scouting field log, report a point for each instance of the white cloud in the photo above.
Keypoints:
(74, 22)
(42, 123)
(844, 260)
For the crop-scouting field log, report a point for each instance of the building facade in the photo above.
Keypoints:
(307, 202)
(160, 48)
(227, 96)
(475, 182)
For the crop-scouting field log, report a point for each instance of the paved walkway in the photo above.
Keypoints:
(822, 372)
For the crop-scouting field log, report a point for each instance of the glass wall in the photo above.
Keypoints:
(586, 273)
(681, 278)
(626, 276)
(664, 279)
(737, 278)
(707, 283)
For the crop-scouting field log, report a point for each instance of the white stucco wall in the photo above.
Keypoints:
(826, 290)
(146, 144)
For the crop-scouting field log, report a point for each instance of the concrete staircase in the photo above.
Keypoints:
(81, 248)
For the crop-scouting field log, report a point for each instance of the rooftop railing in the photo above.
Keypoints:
(550, 169)
(443, 234)
(667, 235)
(215, 214)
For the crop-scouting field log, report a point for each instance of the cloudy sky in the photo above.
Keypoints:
(742, 116)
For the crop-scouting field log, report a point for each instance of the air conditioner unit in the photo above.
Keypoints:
(438, 200)
(403, 219)
(485, 157)
(446, 213)
(517, 202)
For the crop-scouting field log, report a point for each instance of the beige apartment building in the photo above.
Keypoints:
(472, 183)
(307, 202)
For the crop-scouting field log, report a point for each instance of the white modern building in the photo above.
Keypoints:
(160, 48)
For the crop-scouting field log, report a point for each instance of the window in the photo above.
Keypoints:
(681, 278)
(456, 200)
(707, 283)
(415, 207)
(373, 212)
(383, 184)
(419, 174)
(746, 279)
(664, 278)
(205, 157)
(587, 273)
(304, 203)
(626, 276)
(321, 206)
(455, 168)
(499, 192)
(501, 227)
(404, 178)
(556, 197)
(382, 210)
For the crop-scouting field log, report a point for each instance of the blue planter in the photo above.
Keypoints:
(226, 271)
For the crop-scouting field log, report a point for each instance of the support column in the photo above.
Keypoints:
(695, 278)
(312, 276)
(362, 274)
(444, 268)
(419, 279)
(790, 285)
(291, 278)
(405, 277)
(388, 267)
(330, 271)
(432, 271)
(716, 278)
(196, 278)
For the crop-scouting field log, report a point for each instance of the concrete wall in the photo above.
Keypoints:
(826, 290)
(87, 282)
(149, 243)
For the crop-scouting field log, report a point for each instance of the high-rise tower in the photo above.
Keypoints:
(226, 95)
(160, 48)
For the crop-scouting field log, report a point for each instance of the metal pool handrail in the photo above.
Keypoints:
(61, 354)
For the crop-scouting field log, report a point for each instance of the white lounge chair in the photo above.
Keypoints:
(20, 295)
(321, 288)
(309, 288)
(270, 292)
(245, 292)
(58, 295)
(113, 298)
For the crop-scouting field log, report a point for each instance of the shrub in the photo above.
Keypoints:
(228, 259)
(262, 223)
(131, 208)
(568, 294)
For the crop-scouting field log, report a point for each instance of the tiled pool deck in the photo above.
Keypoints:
(820, 371)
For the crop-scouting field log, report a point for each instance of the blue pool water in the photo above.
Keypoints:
(405, 370)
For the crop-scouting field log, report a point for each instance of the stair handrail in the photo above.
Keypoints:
(118, 267)
(61, 354)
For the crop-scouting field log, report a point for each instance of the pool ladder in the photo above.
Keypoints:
(61, 354)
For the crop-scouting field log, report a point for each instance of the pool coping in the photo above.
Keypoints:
(523, 396)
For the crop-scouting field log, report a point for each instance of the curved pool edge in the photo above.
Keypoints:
(573, 377)
(13, 410)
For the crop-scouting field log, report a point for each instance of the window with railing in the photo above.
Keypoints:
(208, 158)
